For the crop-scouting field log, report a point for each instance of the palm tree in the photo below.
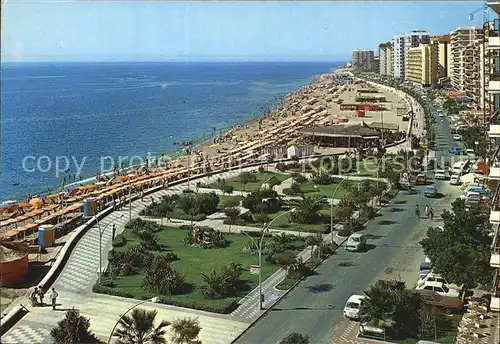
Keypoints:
(232, 214)
(307, 209)
(315, 240)
(165, 207)
(139, 328)
(186, 331)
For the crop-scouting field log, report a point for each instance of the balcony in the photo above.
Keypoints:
(494, 131)
(495, 254)
(494, 5)
(495, 293)
(494, 173)
(494, 83)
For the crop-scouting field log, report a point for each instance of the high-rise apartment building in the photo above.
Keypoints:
(422, 64)
(385, 53)
(363, 59)
(493, 179)
(444, 54)
(402, 45)
(463, 41)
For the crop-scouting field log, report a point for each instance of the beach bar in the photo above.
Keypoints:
(344, 136)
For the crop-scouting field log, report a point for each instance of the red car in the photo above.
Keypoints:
(421, 179)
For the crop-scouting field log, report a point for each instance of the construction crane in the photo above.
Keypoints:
(483, 9)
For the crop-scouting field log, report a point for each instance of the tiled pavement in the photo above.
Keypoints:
(347, 333)
(103, 312)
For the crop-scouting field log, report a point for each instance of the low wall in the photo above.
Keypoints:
(13, 270)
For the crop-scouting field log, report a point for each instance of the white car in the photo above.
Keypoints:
(353, 306)
(457, 137)
(441, 175)
(470, 152)
(438, 287)
(432, 277)
(455, 180)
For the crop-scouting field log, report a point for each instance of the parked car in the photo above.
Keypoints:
(449, 304)
(356, 242)
(441, 175)
(421, 179)
(353, 306)
(433, 277)
(430, 191)
(455, 180)
(439, 288)
(470, 152)
(457, 137)
(456, 151)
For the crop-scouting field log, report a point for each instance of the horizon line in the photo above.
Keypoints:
(177, 61)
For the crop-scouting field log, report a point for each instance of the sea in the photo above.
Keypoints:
(58, 119)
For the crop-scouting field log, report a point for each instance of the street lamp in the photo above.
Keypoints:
(101, 232)
(331, 201)
(153, 300)
(265, 229)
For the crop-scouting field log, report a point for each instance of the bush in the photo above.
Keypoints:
(260, 218)
(322, 179)
(261, 169)
(161, 278)
(221, 307)
(282, 167)
(187, 191)
(298, 178)
(119, 241)
(354, 226)
(288, 192)
(370, 212)
(344, 232)
(100, 289)
(185, 227)
(236, 222)
(327, 229)
(294, 165)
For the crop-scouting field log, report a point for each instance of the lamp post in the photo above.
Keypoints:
(129, 199)
(265, 229)
(331, 202)
(153, 300)
(101, 232)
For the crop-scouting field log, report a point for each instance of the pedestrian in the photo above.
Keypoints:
(40, 294)
(113, 232)
(142, 196)
(53, 297)
(431, 213)
(427, 210)
(33, 296)
(114, 204)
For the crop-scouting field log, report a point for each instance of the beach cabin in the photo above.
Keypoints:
(343, 136)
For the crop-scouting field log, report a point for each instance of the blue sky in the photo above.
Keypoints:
(211, 31)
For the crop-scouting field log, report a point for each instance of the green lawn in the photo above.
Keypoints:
(261, 178)
(283, 222)
(194, 261)
(366, 168)
(308, 189)
(447, 337)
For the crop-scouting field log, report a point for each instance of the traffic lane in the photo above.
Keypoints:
(315, 306)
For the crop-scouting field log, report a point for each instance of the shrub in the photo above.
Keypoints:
(221, 307)
(298, 178)
(161, 278)
(149, 240)
(261, 169)
(327, 229)
(260, 218)
(187, 191)
(282, 167)
(355, 226)
(288, 192)
(128, 262)
(185, 227)
(119, 241)
(222, 284)
(322, 178)
(344, 232)
(370, 212)
(97, 288)
(236, 222)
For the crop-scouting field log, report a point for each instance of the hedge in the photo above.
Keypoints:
(222, 306)
(119, 241)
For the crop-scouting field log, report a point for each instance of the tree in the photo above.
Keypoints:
(74, 328)
(245, 178)
(139, 328)
(165, 207)
(314, 240)
(460, 252)
(306, 209)
(223, 283)
(149, 240)
(390, 305)
(232, 214)
(223, 186)
(295, 338)
(431, 322)
(161, 278)
(273, 182)
(187, 203)
(285, 259)
(186, 331)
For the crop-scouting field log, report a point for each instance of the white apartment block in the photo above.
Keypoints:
(402, 44)
(464, 50)
(385, 53)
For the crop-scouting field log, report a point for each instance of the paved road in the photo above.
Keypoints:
(315, 306)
